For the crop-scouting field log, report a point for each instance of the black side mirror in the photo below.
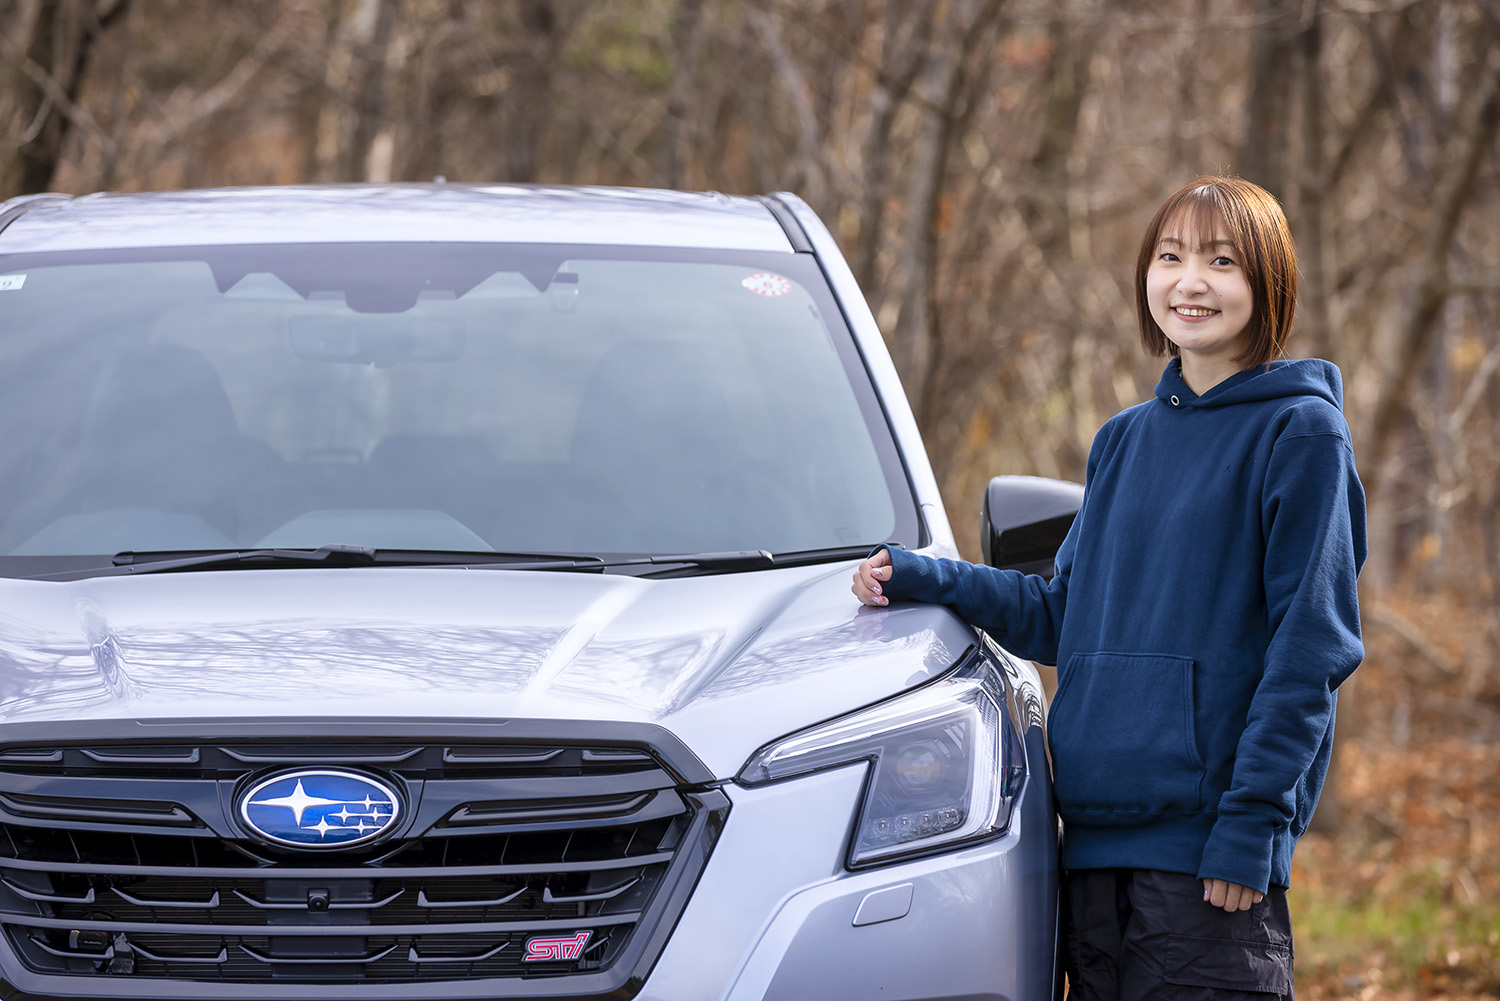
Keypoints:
(1025, 519)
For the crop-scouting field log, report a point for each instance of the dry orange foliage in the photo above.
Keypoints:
(1399, 896)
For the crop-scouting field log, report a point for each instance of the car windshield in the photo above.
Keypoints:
(464, 398)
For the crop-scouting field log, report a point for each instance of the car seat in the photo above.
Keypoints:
(158, 435)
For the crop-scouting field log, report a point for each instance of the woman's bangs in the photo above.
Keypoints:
(1198, 220)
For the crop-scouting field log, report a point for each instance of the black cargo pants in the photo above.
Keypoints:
(1145, 935)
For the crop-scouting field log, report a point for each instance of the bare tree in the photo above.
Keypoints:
(1263, 152)
(46, 50)
(1474, 143)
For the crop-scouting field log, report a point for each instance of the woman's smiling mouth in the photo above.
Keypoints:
(1193, 311)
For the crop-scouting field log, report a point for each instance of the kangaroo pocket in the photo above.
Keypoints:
(1123, 742)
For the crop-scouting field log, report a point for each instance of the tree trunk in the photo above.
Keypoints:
(529, 98)
(679, 137)
(903, 47)
(369, 79)
(918, 335)
(1263, 150)
(49, 52)
(1418, 326)
(1315, 333)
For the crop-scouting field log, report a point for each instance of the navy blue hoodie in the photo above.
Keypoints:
(1202, 614)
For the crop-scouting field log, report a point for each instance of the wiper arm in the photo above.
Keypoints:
(748, 559)
(755, 559)
(128, 562)
(837, 554)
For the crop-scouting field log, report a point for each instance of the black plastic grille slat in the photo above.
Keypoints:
(170, 756)
(215, 960)
(349, 756)
(519, 840)
(413, 956)
(360, 905)
(98, 811)
(206, 905)
(269, 959)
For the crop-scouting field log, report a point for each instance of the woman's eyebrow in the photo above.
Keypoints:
(1175, 242)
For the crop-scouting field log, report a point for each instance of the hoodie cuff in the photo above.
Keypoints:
(907, 569)
(1239, 850)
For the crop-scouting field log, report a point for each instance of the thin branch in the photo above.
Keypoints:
(1474, 391)
(1420, 321)
(53, 91)
(1420, 643)
(180, 115)
(1473, 286)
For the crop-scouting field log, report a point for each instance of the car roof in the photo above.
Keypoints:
(403, 213)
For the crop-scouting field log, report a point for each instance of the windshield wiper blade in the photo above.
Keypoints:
(133, 562)
(669, 564)
(130, 563)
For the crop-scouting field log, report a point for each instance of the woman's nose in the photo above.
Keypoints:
(1194, 277)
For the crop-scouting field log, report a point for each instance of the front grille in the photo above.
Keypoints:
(550, 861)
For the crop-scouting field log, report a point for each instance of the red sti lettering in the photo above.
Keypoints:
(544, 949)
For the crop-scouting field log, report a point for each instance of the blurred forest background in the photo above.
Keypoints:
(988, 166)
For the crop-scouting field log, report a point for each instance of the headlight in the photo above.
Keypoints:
(945, 764)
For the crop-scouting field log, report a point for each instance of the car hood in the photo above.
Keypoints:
(725, 662)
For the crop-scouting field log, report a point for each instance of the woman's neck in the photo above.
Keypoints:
(1202, 374)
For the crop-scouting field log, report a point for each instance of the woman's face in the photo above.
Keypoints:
(1199, 295)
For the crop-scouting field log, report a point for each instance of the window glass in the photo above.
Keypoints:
(461, 397)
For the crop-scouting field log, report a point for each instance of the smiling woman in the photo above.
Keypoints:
(1216, 280)
(1202, 613)
(1201, 301)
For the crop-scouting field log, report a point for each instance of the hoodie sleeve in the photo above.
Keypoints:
(1022, 611)
(1313, 519)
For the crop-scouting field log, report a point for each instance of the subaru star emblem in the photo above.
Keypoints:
(320, 809)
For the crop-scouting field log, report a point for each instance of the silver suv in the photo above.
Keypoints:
(442, 591)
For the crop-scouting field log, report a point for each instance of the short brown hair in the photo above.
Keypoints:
(1257, 230)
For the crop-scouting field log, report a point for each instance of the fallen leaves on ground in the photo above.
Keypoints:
(1396, 890)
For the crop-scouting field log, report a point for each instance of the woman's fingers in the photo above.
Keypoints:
(869, 577)
(1230, 896)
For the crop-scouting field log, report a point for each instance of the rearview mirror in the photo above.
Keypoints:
(379, 339)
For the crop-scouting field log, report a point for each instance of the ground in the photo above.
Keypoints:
(1396, 890)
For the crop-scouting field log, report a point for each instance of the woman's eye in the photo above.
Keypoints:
(1223, 261)
(1166, 256)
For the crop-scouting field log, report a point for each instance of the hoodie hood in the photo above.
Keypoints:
(1277, 380)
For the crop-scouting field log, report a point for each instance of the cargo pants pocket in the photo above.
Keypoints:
(1237, 965)
(1194, 951)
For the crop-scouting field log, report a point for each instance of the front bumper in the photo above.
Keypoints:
(773, 916)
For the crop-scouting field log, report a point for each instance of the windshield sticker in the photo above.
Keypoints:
(766, 283)
(9, 283)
